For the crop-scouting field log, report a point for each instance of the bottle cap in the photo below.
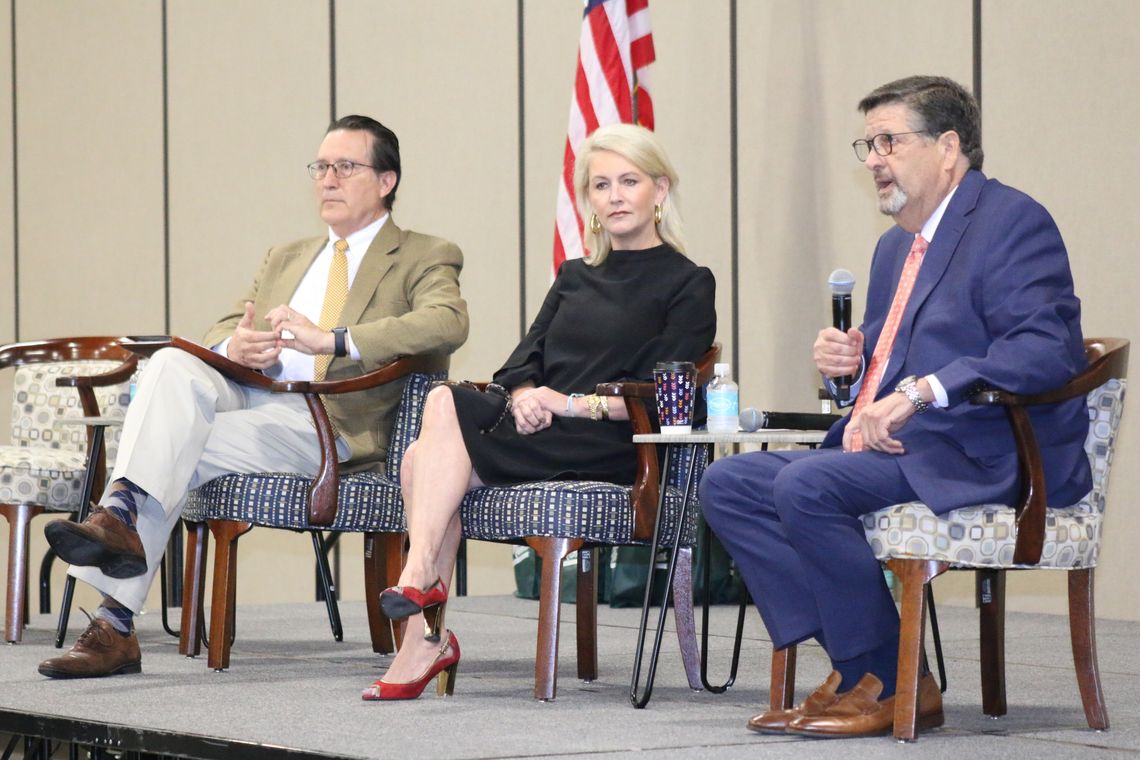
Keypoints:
(722, 368)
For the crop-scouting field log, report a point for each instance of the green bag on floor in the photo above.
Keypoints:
(528, 574)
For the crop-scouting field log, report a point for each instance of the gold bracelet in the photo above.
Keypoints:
(593, 403)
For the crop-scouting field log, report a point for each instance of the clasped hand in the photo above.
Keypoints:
(259, 349)
(839, 354)
(534, 408)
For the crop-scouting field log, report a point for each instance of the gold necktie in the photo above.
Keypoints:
(336, 292)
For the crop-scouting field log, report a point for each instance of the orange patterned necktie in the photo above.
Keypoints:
(336, 292)
(887, 336)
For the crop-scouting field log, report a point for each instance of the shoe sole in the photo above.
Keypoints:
(396, 607)
(76, 548)
(128, 668)
(924, 722)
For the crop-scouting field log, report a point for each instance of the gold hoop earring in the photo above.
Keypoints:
(595, 224)
(657, 214)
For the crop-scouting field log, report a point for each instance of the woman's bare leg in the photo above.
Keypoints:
(435, 474)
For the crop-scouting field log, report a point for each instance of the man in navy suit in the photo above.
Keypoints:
(971, 288)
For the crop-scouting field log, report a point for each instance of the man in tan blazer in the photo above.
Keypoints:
(329, 307)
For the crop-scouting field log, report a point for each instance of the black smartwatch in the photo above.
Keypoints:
(340, 345)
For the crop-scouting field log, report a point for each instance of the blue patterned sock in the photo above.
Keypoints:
(120, 618)
(123, 501)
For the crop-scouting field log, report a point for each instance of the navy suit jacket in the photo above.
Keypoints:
(993, 306)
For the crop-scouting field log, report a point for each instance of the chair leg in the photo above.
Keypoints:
(782, 685)
(552, 550)
(587, 614)
(193, 586)
(383, 560)
(914, 574)
(223, 598)
(19, 518)
(684, 619)
(1082, 630)
(991, 633)
(327, 586)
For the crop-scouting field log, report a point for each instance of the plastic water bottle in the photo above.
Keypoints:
(723, 398)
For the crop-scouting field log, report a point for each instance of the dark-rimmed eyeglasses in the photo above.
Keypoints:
(343, 168)
(883, 143)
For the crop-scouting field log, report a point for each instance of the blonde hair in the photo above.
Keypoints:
(641, 148)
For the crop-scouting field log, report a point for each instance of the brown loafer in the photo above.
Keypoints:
(99, 651)
(860, 712)
(102, 541)
(775, 721)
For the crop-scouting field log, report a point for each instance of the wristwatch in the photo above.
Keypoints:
(339, 346)
(908, 386)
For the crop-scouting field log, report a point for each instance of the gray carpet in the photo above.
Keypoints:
(291, 685)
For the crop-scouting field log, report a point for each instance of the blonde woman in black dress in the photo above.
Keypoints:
(634, 301)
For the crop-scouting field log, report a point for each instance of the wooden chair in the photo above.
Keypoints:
(990, 539)
(366, 502)
(44, 467)
(558, 517)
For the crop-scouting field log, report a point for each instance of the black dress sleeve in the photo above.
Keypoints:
(689, 331)
(526, 362)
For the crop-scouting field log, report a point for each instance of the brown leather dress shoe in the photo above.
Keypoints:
(99, 651)
(775, 721)
(859, 712)
(102, 540)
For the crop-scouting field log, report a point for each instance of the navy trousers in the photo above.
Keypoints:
(790, 520)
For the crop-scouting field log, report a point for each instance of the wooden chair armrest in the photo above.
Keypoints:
(1108, 358)
(646, 489)
(627, 389)
(92, 348)
(324, 491)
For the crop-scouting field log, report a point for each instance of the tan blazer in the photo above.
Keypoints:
(404, 300)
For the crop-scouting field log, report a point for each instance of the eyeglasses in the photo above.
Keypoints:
(883, 143)
(342, 168)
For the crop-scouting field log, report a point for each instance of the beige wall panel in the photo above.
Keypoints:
(692, 107)
(443, 75)
(806, 205)
(249, 101)
(90, 157)
(1039, 112)
(7, 178)
(550, 33)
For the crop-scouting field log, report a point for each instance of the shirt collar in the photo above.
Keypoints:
(359, 241)
(931, 225)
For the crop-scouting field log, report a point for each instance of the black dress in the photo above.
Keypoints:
(598, 324)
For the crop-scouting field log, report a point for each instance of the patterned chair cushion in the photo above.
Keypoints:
(369, 502)
(597, 512)
(985, 535)
(51, 478)
(44, 465)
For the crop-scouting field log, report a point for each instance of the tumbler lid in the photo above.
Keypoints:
(676, 366)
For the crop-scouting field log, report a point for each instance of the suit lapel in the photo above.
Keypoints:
(949, 234)
(378, 259)
(293, 269)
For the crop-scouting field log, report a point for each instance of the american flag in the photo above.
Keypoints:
(614, 52)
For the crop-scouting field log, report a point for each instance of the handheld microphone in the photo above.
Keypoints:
(752, 419)
(841, 283)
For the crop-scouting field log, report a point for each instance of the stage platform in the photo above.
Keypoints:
(293, 692)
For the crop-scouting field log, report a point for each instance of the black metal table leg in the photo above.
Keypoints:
(327, 585)
(744, 600)
(45, 580)
(937, 637)
(642, 700)
(81, 515)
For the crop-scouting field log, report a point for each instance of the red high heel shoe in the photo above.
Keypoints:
(399, 602)
(445, 662)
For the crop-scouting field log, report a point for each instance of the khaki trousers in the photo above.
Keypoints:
(186, 426)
